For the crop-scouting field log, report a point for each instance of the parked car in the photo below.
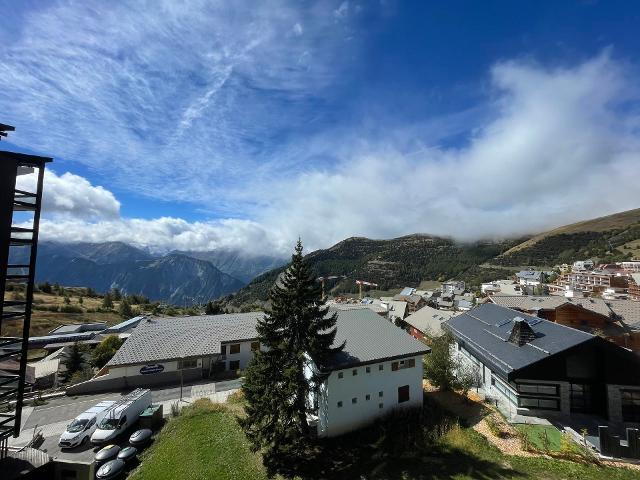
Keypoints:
(79, 431)
(121, 416)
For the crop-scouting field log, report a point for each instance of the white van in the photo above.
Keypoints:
(81, 428)
(121, 415)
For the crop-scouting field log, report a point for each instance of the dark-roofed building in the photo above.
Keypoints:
(538, 367)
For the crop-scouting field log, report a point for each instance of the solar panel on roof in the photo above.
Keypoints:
(533, 321)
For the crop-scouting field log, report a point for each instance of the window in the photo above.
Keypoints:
(380, 367)
(367, 397)
(234, 365)
(368, 369)
(354, 372)
(188, 363)
(403, 394)
(539, 403)
(255, 346)
(380, 394)
(339, 404)
(234, 348)
(340, 374)
(354, 400)
(380, 405)
(504, 390)
(223, 350)
(630, 405)
(403, 364)
(539, 389)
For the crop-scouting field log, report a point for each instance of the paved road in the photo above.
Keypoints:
(64, 409)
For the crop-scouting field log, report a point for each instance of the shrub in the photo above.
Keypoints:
(70, 309)
(175, 409)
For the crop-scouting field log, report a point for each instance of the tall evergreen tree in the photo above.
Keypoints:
(73, 360)
(296, 328)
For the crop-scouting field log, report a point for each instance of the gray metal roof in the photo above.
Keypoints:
(485, 332)
(370, 338)
(167, 338)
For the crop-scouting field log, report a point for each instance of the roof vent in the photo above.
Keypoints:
(521, 332)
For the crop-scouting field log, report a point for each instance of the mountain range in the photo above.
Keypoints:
(184, 277)
(180, 278)
(411, 259)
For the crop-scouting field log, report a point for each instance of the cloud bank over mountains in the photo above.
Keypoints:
(216, 105)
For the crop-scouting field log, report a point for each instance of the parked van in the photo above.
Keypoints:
(121, 415)
(83, 426)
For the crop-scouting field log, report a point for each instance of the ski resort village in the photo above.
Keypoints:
(319, 240)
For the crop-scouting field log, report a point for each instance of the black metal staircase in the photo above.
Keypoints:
(19, 223)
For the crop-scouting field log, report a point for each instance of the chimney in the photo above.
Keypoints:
(521, 332)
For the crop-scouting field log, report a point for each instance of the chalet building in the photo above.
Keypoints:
(453, 287)
(634, 286)
(590, 282)
(532, 366)
(379, 371)
(414, 302)
(631, 267)
(583, 265)
(531, 277)
(427, 322)
(611, 318)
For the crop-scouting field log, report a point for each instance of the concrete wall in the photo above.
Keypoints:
(334, 420)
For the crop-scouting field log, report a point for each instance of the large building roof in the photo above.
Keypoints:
(485, 331)
(169, 338)
(370, 338)
(429, 320)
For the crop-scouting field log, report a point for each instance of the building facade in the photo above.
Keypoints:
(536, 367)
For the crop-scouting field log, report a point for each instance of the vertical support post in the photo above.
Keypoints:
(26, 326)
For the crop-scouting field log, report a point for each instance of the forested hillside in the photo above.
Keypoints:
(389, 263)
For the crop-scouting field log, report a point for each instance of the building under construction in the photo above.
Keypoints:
(19, 221)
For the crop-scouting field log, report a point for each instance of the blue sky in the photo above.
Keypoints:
(201, 125)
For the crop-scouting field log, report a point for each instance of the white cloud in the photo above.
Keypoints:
(73, 196)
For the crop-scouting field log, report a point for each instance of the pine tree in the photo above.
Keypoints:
(212, 308)
(125, 309)
(107, 301)
(296, 327)
(73, 360)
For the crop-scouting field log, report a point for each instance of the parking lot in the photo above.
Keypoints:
(51, 419)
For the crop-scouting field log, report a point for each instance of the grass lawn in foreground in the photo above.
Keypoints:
(205, 442)
(535, 434)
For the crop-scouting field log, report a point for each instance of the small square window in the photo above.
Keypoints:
(367, 397)
(368, 369)
(380, 367)
(380, 394)
(380, 405)
(340, 374)
(339, 404)
(223, 350)
(234, 348)
(354, 400)
(355, 372)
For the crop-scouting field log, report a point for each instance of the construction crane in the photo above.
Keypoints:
(360, 283)
(329, 277)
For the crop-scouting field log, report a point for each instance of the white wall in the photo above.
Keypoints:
(334, 420)
(244, 356)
